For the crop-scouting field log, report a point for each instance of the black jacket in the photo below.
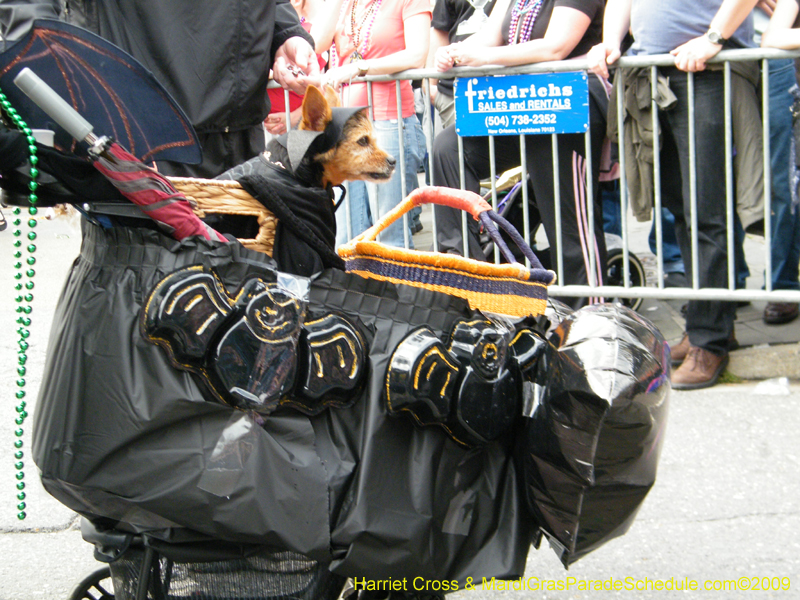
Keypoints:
(213, 56)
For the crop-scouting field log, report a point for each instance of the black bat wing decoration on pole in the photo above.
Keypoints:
(104, 84)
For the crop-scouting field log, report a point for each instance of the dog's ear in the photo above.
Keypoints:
(316, 110)
(331, 96)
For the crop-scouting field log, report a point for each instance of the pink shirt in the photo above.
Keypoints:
(386, 36)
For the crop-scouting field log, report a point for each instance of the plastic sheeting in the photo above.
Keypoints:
(596, 412)
(122, 435)
(125, 438)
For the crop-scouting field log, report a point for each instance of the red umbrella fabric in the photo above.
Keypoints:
(153, 193)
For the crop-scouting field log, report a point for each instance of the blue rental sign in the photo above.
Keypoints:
(522, 104)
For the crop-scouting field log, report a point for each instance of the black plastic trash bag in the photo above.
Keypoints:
(125, 438)
(596, 412)
(132, 429)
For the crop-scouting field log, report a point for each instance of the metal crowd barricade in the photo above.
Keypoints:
(627, 290)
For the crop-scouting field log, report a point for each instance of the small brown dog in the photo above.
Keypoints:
(355, 155)
(296, 175)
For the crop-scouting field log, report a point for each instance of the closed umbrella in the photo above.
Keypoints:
(139, 183)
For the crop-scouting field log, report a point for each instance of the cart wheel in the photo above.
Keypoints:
(614, 276)
(97, 586)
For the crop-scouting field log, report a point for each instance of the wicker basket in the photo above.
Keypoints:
(509, 289)
(226, 197)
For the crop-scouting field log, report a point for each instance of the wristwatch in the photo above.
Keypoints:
(715, 37)
(362, 66)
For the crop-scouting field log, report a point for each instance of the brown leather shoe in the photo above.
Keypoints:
(680, 350)
(700, 369)
(778, 313)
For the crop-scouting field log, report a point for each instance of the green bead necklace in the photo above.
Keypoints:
(24, 290)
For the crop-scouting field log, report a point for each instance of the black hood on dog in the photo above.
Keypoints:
(287, 181)
(297, 143)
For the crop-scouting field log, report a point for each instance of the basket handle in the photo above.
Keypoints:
(460, 200)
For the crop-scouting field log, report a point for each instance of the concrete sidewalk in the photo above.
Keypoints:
(765, 351)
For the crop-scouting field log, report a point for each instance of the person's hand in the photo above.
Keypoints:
(442, 60)
(692, 55)
(600, 56)
(338, 75)
(458, 55)
(768, 6)
(295, 65)
(275, 123)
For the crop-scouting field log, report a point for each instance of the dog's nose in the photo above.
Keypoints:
(390, 160)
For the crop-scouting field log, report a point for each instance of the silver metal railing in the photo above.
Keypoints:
(627, 290)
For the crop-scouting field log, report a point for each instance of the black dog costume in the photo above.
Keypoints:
(286, 180)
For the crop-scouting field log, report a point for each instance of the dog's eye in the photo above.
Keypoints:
(364, 141)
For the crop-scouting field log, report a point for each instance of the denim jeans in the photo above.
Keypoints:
(709, 323)
(371, 201)
(612, 217)
(673, 262)
(785, 247)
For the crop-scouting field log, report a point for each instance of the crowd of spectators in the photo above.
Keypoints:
(693, 32)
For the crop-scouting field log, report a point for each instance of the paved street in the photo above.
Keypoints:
(725, 505)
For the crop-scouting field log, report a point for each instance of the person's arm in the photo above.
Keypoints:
(294, 60)
(768, 6)
(444, 19)
(491, 35)
(439, 39)
(566, 29)
(416, 35)
(323, 29)
(692, 55)
(16, 17)
(286, 26)
(616, 23)
(779, 33)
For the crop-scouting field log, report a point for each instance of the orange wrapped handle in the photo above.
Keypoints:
(459, 199)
